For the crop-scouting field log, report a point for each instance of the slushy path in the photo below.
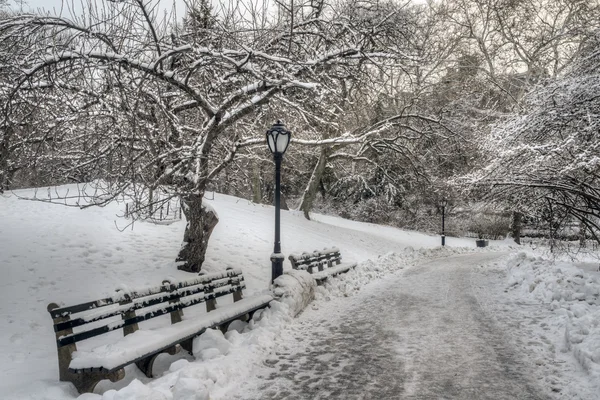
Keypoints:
(421, 335)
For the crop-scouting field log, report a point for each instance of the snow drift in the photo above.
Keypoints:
(572, 294)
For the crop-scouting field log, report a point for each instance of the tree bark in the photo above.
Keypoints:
(4, 153)
(516, 227)
(310, 193)
(201, 221)
(256, 189)
(283, 202)
(582, 234)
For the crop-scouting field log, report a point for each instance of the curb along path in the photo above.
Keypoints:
(422, 335)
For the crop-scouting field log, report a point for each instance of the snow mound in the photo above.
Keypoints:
(296, 289)
(561, 282)
(136, 390)
(569, 292)
(210, 344)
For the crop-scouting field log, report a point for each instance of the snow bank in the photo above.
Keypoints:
(296, 289)
(561, 283)
(136, 390)
(220, 361)
(210, 344)
(573, 294)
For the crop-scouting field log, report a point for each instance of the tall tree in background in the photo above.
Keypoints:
(546, 158)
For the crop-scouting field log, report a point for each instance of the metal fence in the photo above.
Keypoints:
(159, 211)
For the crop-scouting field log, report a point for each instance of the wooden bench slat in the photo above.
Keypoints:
(136, 305)
(123, 309)
(66, 311)
(87, 334)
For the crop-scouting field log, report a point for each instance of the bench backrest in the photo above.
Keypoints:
(317, 260)
(98, 317)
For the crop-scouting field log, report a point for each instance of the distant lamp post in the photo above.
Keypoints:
(278, 139)
(443, 204)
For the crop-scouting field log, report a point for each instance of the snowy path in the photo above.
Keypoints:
(423, 335)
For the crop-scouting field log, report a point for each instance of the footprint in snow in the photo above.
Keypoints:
(17, 358)
(17, 338)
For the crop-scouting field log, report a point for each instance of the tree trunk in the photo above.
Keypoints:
(4, 174)
(201, 220)
(256, 189)
(150, 210)
(516, 227)
(283, 202)
(582, 234)
(310, 193)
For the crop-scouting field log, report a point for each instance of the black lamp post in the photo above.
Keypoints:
(443, 204)
(278, 139)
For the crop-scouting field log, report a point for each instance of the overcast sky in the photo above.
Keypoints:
(66, 5)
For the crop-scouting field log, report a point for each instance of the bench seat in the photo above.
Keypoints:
(333, 271)
(138, 345)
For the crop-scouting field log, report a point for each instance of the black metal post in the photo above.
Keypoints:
(277, 257)
(443, 226)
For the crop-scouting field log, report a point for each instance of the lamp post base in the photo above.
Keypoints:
(443, 240)
(276, 266)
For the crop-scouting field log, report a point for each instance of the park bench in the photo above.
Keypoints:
(107, 358)
(321, 263)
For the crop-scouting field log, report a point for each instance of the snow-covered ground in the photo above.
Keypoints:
(553, 308)
(52, 253)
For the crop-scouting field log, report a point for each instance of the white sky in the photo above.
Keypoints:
(66, 5)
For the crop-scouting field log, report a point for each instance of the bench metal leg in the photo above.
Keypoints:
(145, 365)
(187, 345)
(86, 381)
(223, 327)
(248, 317)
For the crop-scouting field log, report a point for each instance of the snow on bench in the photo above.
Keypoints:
(321, 263)
(86, 367)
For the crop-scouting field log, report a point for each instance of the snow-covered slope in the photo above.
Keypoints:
(53, 253)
